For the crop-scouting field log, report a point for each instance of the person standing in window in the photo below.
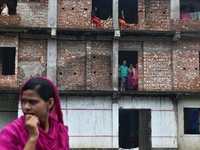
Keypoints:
(41, 127)
(123, 69)
(130, 78)
(135, 77)
(122, 21)
(95, 19)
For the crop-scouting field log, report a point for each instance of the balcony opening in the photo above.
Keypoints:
(7, 60)
(135, 128)
(189, 10)
(130, 11)
(11, 4)
(129, 79)
(191, 120)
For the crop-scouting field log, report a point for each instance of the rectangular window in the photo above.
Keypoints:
(7, 60)
(191, 120)
(130, 11)
(189, 10)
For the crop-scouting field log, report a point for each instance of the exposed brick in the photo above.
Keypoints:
(157, 66)
(71, 65)
(32, 52)
(186, 65)
(32, 14)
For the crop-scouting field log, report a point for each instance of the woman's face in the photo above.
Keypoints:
(33, 104)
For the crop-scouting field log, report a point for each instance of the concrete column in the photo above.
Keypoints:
(175, 9)
(115, 65)
(51, 59)
(115, 14)
(52, 13)
(115, 118)
(88, 66)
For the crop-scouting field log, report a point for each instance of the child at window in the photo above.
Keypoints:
(5, 10)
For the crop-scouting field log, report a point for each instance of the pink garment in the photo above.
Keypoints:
(14, 136)
(185, 16)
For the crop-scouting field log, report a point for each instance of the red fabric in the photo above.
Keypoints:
(14, 136)
(97, 21)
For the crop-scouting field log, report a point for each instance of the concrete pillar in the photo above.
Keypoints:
(51, 59)
(115, 14)
(115, 65)
(175, 9)
(88, 65)
(52, 43)
(115, 118)
(52, 13)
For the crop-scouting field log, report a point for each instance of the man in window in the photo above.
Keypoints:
(123, 69)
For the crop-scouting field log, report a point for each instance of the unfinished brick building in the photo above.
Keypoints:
(57, 39)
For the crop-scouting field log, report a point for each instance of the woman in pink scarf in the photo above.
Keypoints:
(41, 127)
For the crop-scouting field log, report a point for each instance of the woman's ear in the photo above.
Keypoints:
(50, 103)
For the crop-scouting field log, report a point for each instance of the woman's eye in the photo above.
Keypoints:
(32, 102)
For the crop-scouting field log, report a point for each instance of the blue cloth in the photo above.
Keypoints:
(123, 69)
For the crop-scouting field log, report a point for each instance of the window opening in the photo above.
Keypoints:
(135, 128)
(7, 60)
(189, 10)
(128, 81)
(130, 10)
(191, 120)
(104, 8)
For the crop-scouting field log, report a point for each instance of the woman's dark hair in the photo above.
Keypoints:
(42, 87)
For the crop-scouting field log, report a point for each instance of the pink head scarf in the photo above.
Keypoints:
(15, 135)
(56, 112)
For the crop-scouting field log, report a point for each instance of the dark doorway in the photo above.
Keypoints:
(104, 8)
(135, 128)
(131, 57)
(128, 128)
(130, 8)
(7, 60)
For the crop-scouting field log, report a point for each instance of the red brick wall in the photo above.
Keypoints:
(32, 58)
(10, 80)
(186, 65)
(101, 65)
(74, 14)
(186, 25)
(32, 14)
(157, 66)
(71, 65)
(154, 17)
(75, 73)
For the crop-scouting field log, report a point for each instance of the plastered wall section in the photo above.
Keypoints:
(9, 81)
(186, 65)
(32, 59)
(84, 65)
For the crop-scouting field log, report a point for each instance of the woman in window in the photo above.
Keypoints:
(41, 127)
(135, 77)
(95, 19)
(122, 21)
